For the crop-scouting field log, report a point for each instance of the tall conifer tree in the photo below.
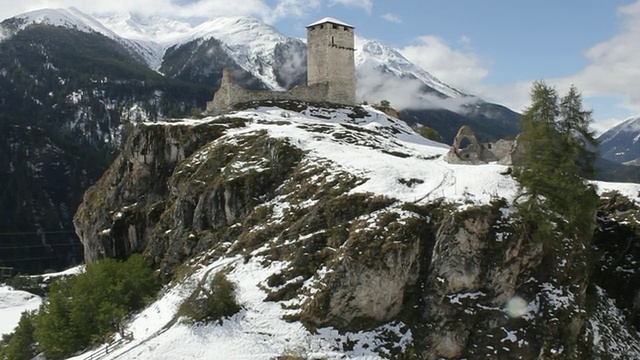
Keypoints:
(574, 121)
(553, 195)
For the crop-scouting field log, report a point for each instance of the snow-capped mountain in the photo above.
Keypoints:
(73, 18)
(372, 54)
(622, 142)
(69, 17)
(250, 43)
(262, 57)
(125, 68)
(148, 28)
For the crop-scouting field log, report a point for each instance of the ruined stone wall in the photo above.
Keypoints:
(498, 150)
(331, 75)
(502, 151)
(231, 94)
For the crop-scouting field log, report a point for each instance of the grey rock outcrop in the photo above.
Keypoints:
(467, 281)
(118, 213)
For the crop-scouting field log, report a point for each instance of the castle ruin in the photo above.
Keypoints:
(331, 72)
(467, 150)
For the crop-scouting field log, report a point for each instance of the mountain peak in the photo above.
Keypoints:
(375, 54)
(66, 17)
(147, 28)
(621, 143)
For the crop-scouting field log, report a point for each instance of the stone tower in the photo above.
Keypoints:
(330, 59)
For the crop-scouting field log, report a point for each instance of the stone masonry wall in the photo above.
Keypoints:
(331, 59)
(476, 153)
(231, 94)
(331, 74)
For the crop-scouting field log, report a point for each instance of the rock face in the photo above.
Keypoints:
(464, 280)
(118, 214)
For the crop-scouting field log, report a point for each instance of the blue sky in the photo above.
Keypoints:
(490, 48)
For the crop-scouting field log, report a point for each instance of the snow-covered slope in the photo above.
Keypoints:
(248, 41)
(389, 158)
(73, 18)
(12, 304)
(622, 142)
(70, 18)
(374, 54)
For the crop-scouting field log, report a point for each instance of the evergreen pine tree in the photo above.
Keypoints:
(553, 196)
(21, 345)
(574, 122)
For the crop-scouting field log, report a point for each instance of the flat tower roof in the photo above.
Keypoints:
(332, 21)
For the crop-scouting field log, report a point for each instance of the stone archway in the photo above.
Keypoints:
(466, 146)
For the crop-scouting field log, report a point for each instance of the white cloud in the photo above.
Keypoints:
(193, 9)
(614, 68)
(601, 126)
(292, 8)
(367, 5)
(461, 69)
(464, 70)
(374, 85)
(515, 96)
(391, 17)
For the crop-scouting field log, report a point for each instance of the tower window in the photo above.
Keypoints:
(321, 26)
(332, 43)
(335, 26)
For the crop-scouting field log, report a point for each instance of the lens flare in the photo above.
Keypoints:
(516, 307)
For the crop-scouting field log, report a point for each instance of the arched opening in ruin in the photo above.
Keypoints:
(464, 143)
(466, 146)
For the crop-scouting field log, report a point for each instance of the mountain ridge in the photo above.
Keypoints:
(241, 35)
(621, 142)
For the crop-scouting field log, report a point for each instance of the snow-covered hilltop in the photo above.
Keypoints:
(345, 233)
(311, 212)
(262, 58)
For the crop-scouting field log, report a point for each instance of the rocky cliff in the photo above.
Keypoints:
(348, 223)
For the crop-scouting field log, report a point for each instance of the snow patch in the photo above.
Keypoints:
(12, 304)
